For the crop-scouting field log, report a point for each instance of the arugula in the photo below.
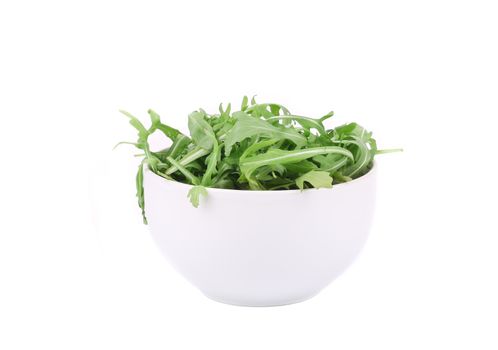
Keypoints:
(248, 126)
(195, 193)
(260, 147)
(316, 178)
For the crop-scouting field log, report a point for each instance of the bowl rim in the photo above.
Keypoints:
(362, 178)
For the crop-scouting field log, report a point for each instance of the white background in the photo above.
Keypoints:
(422, 75)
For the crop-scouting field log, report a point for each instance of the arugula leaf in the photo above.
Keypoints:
(142, 131)
(316, 178)
(247, 126)
(256, 147)
(154, 119)
(203, 135)
(301, 167)
(188, 175)
(245, 102)
(362, 159)
(195, 193)
(273, 108)
(211, 165)
(278, 156)
(188, 158)
(327, 116)
(139, 182)
(305, 122)
(179, 145)
(201, 132)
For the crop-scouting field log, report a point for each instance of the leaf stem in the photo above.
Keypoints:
(191, 177)
(390, 150)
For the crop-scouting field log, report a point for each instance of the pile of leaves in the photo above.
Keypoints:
(263, 146)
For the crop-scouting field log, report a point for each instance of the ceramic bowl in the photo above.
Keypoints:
(260, 248)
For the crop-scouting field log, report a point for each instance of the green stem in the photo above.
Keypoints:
(391, 150)
(196, 153)
(191, 177)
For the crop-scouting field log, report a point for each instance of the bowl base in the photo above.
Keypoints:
(259, 303)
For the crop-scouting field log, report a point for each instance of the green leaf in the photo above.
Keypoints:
(226, 112)
(273, 109)
(341, 178)
(247, 126)
(245, 102)
(270, 172)
(195, 193)
(331, 162)
(152, 161)
(203, 135)
(362, 159)
(154, 119)
(179, 146)
(142, 131)
(305, 122)
(188, 175)
(156, 124)
(278, 156)
(139, 181)
(255, 147)
(316, 178)
(327, 116)
(301, 167)
(201, 132)
(211, 167)
(168, 131)
(191, 156)
(353, 129)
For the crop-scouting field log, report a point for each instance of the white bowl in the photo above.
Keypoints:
(260, 248)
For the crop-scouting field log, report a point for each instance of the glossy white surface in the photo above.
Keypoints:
(260, 248)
